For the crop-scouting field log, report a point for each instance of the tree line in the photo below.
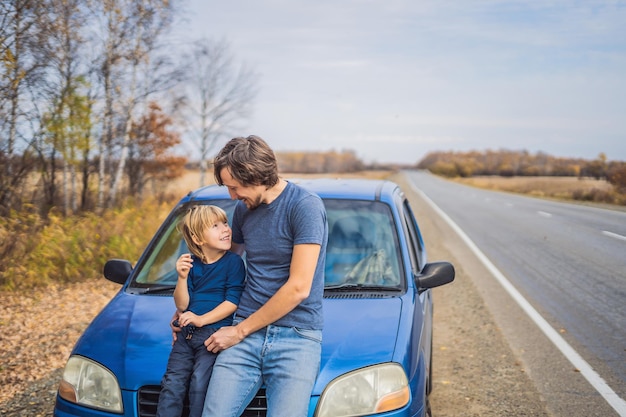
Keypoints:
(510, 163)
(96, 95)
(319, 162)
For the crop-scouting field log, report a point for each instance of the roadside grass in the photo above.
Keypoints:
(75, 248)
(561, 188)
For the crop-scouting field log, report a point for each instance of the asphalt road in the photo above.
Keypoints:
(569, 262)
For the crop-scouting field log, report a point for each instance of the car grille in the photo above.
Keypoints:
(149, 398)
(258, 406)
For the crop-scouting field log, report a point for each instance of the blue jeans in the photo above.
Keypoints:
(284, 359)
(188, 371)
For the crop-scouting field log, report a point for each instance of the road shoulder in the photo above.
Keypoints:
(475, 371)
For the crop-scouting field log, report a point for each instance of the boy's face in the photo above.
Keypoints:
(218, 236)
(251, 195)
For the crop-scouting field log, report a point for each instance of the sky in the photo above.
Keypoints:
(393, 80)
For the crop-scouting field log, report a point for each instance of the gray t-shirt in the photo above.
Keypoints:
(269, 232)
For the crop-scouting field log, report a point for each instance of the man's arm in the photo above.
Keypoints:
(238, 248)
(293, 292)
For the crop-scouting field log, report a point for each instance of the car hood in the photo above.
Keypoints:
(132, 337)
(357, 332)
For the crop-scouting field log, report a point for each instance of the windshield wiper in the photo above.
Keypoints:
(156, 289)
(351, 287)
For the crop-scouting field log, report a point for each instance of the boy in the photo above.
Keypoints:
(210, 282)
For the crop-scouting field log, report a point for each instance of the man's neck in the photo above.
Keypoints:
(272, 194)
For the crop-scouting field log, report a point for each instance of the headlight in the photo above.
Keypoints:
(90, 384)
(375, 389)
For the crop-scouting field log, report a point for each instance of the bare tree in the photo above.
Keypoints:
(115, 30)
(153, 18)
(220, 95)
(67, 122)
(131, 29)
(20, 72)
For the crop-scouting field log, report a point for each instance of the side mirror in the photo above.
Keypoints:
(117, 270)
(434, 275)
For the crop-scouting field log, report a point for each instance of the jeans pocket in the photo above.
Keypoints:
(313, 335)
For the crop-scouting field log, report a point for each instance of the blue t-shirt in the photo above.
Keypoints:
(269, 233)
(211, 284)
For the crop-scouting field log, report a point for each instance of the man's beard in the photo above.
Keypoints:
(252, 204)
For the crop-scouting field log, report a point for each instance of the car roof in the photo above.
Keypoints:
(351, 189)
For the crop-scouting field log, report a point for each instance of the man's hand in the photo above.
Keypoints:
(222, 339)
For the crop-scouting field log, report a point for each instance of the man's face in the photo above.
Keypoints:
(251, 195)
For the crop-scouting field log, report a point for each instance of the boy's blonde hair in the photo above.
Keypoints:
(197, 219)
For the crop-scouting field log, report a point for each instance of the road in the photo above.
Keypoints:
(569, 262)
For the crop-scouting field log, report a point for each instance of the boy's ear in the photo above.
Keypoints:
(196, 240)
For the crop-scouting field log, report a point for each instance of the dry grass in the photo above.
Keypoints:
(555, 187)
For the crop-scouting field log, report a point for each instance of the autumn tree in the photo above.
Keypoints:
(68, 128)
(616, 175)
(596, 168)
(150, 154)
(220, 96)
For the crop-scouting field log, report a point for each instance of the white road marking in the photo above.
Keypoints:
(613, 235)
(566, 349)
(544, 214)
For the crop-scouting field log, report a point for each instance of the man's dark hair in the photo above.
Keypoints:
(249, 160)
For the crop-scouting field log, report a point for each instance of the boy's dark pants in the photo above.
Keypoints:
(188, 371)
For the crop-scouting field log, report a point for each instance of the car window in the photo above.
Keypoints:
(362, 245)
(160, 264)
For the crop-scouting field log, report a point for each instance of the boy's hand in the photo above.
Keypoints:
(175, 330)
(183, 265)
(189, 318)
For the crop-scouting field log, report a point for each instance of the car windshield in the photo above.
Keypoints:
(361, 252)
(362, 246)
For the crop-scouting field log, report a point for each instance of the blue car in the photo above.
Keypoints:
(378, 310)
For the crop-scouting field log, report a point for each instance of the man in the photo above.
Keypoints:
(275, 339)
